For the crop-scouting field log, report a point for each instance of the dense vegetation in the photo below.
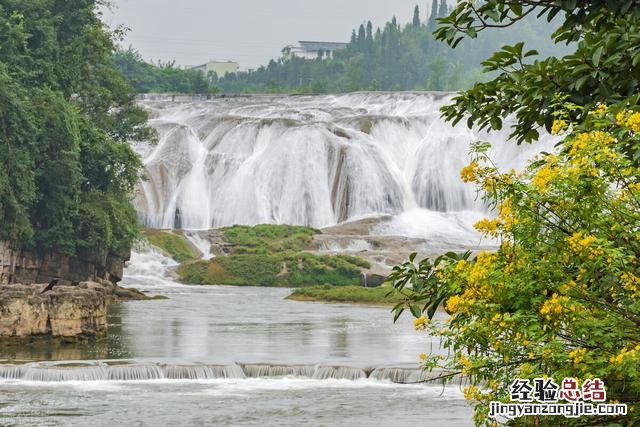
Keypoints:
(560, 298)
(394, 57)
(66, 117)
(272, 255)
(346, 294)
(161, 77)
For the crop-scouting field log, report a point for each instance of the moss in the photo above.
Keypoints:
(273, 255)
(172, 243)
(284, 269)
(346, 294)
(268, 239)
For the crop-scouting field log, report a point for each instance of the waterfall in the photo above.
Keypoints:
(133, 371)
(307, 160)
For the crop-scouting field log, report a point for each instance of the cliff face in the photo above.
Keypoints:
(18, 266)
(67, 311)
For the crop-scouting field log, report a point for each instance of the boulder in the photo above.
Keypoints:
(68, 311)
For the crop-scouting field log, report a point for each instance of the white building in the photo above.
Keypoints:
(219, 67)
(312, 50)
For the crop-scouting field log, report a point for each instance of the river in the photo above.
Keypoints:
(229, 356)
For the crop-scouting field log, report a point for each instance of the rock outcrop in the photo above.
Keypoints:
(20, 266)
(66, 311)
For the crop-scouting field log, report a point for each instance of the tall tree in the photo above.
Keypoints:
(362, 38)
(443, 10)
(433, 15)
(416, 16)
(65, 186)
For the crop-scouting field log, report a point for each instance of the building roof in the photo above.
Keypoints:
(312, 46)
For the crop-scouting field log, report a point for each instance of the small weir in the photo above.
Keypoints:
(132, 371)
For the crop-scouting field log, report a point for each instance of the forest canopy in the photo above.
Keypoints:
(67, 115)
(394, 57)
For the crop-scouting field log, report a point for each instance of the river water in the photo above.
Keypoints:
(229, 356)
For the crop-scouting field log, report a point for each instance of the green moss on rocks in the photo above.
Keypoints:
(346, 294)
(280, 269)
(268, 239)
(174, 244)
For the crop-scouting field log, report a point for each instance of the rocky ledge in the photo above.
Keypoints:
(67, 311)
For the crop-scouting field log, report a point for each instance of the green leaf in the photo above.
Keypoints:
(597, 55)
(415, 311)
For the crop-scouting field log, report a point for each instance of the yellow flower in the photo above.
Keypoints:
(420, 323)
(558, 126)
(453, 303)
(544, 176)
(577, 355)
(471, 392)
(621, 117)
(601, 108)
(488, 226)
(470, 173)
(554, 306)
(578, 243)
(423, 356)
(633, 122)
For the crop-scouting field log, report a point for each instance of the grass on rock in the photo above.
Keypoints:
(176, 245)
(346, 294)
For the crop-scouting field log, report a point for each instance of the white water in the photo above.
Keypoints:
(313, 160)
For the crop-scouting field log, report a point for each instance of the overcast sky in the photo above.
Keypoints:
(247, 31)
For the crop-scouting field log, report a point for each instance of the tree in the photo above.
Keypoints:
(362, 38)
(607, 36)
(443, 10)
(67, 118)
(416, 17)
(433, 15)
(395, 58)
(560, 297)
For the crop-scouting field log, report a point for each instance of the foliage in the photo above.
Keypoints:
(66, 116)
(608, 37)
(394, 57)
(172, 243)
(560, 297)
(161, 77)
(348, 294)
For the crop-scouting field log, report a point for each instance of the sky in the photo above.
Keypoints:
(250, 32)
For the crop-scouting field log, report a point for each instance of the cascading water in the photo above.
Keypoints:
(132, 371)
(309, 160)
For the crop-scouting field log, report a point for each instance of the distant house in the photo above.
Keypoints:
(219, 67)
(312, 50)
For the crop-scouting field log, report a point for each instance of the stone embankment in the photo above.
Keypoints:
(66, 311)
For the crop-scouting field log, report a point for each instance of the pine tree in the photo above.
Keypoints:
(416, 16)
(444, 9)
(369, 42)
(362, 38)
(433, 15)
